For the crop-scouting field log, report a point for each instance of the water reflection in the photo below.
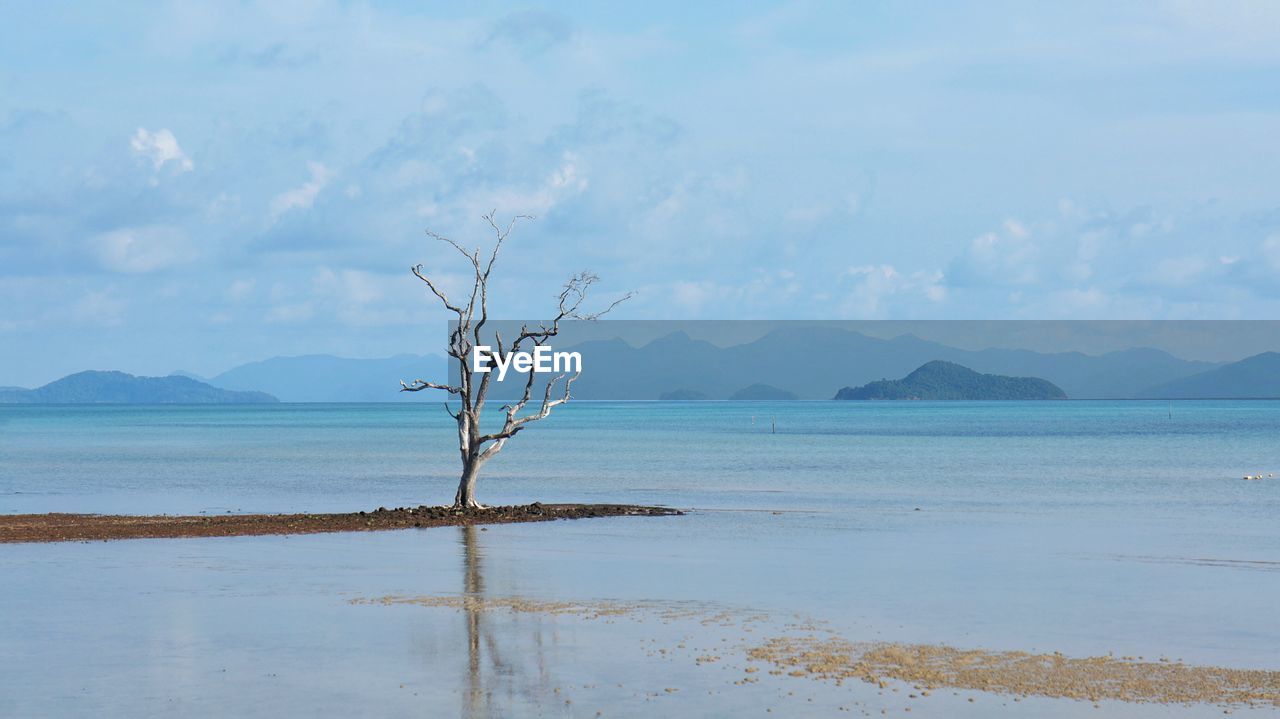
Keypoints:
(506, 652)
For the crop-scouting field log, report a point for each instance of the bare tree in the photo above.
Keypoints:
(472, 388)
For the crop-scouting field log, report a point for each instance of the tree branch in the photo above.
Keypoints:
(418, 385)
(466, 334)
(417, 272)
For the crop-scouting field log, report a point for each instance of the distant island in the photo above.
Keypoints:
(938, 380)
(95, 387)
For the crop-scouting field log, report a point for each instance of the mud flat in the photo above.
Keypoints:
(95, 527)
(930, 667)
(810, 650)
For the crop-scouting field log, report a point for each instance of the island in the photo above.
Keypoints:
(938, 380)
(95, 387)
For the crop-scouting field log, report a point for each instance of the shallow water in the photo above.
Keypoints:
(1080, 527)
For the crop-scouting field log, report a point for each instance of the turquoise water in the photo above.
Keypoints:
(1139, 458)
(1081, 527)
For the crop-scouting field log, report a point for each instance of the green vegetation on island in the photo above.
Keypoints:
(938, 380)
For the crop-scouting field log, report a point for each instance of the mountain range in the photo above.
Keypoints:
(1251, 378)
(325, 378)
(93, 387)
(812, 362)
(792, 361)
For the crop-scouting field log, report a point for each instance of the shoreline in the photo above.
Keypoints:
(60, 527)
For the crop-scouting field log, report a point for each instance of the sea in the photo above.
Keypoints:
(1090, 528)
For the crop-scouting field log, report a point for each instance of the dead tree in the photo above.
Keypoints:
(472, 387)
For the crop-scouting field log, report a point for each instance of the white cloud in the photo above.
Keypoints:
(1007, 258)
(98, 307)
(241, 289)
(1016, 229)
(693, 296)
(33, 302)
(136, 250)
(1271, 251)
(304, 196)
(563, 182)
(290, 313)
(161, 148)
(350, 286)
(873, 285)
(1178, 271)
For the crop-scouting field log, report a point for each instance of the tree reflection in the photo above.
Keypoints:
(488, 672)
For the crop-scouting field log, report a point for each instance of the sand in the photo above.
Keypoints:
(810, 651)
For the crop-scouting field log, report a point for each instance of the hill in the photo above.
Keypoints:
(325, 378)
(938, 380)
(95, 387)
(1251, 378)
(833, 357)
(679, 366)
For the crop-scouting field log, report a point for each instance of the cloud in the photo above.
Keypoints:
(290, 313)
(1179, 271)
(562, 182)
(1271, 251)
(367, 299)
(99, 307)
(161, 148)
(29, 302)
(875, 285)
(530, 32)
(305, 196)
(677, 180)
(274, 55)
(1007, 257)
(241, 289)
(137, 250)
(602, 118)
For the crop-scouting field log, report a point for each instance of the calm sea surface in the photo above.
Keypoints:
(1080, 527)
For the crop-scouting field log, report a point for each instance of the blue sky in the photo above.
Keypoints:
(193, 186)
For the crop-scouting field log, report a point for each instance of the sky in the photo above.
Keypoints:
(190, 186)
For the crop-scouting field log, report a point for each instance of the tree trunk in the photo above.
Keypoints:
(466, 496)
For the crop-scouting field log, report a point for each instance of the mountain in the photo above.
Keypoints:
(1254, 377)
(188, 375)
(938, 380)
(814, 360)
(325, 378)
(119, 388)
(760, 391)
(809, 360)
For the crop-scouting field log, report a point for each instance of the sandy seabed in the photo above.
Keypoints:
(808, 649)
